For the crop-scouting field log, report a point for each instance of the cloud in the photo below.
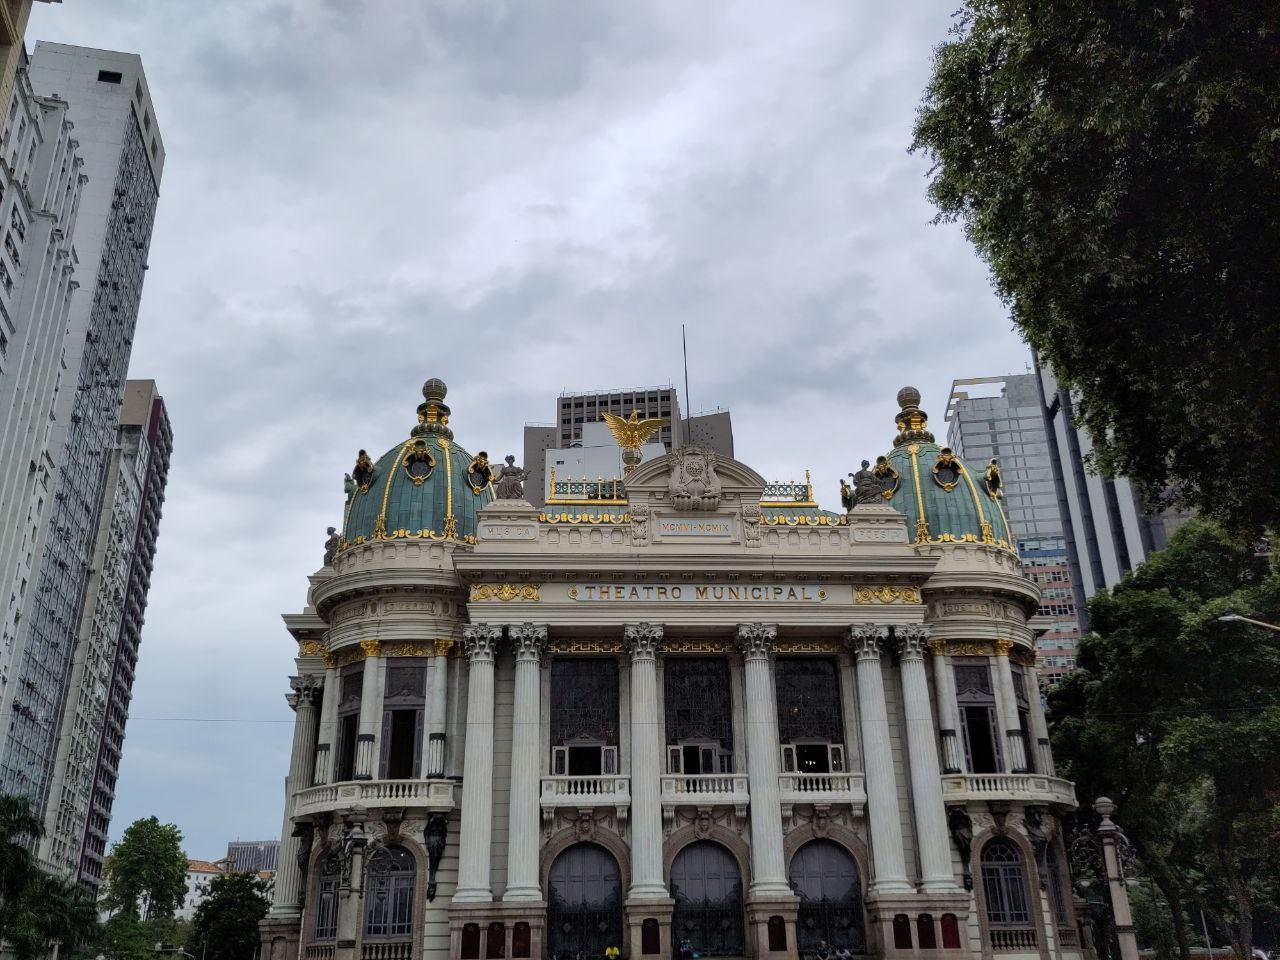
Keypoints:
(519, 198)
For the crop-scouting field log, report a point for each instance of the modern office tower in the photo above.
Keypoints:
(1000, 417)
(574, 411)
(14, 15)
(40, 185)
(1109, 529)
(119, 141)
(144, 425)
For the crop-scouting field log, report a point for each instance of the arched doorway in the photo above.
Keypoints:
(584, 902)
(707, 888)
(825, 877)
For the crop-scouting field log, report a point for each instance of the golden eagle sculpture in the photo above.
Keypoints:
(631, 433)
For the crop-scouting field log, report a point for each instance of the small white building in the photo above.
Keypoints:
(199, 873)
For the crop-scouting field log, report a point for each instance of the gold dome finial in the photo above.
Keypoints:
(433, 413)
(913, 423)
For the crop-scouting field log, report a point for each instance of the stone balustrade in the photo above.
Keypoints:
(822, 789)
(704, 790)
(585, 793)
(1026, 787)
(435, 795)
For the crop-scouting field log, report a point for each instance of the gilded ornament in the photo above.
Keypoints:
(886, 594)
(418, 463)
(450, 531)
(380, 528)
(406, 649)
(330, 661)
(937, 646)
(969, 648)
(479, 473)
(371, 648)
(506, 592)
(946, 471)
(442, 647)
(362, 472)
(586, 646)
(1003, 646)
(993, 481)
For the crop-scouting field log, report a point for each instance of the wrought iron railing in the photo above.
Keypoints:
(714, 927)
(788, 494)
(839, 925)
(582, 930)
(599, 490)
(1013, 939)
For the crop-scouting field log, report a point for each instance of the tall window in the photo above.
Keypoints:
(327, 898)
(389, 893)
(976, 699)
(402, 709)
(350, 692)
(1004, 883)
(809, 716)
(1024, 712)
(584, 716)
(699, 716)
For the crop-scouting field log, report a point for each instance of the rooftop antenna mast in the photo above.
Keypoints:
(688, 410)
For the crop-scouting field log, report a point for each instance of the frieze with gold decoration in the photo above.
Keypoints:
(505, 592)
(310, 648)
(586, 646)
(886, 594)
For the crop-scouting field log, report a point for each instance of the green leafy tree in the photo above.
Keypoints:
(1175, 715)
(1117, 164)
(36, 908)
(225, 926)
(146, 872)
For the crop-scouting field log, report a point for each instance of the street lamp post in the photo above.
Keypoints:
(1108, 833)
(1235, 617)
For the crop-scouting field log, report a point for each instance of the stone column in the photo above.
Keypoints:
(926, 780)
(944, 683)
(288, 885)
(768, 869)
(887, 855)
(433, 746)
(476, 836)
(1015, 745)
(328, 734)
(350, 889)
(529, 641)
(1039, 725)
(647, 728)
(370, 711)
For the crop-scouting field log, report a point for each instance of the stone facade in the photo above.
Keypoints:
(722, 724)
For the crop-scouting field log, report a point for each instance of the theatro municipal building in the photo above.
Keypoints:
(682, 710)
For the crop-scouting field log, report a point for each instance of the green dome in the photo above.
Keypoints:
(427, 488)
(943, 500)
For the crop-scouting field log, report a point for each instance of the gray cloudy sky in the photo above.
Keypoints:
(521, 198)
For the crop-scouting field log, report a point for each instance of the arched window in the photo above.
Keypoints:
(327, 898)
(389, 893)
(1004, 884)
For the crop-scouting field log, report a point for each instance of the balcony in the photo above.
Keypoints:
(823, 790)
(1014, 940)
(380, 950)
(585, 793)
(704, 790)
(1026, 787)
(435, 795)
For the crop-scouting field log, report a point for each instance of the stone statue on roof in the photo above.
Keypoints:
(511, 480)
(867, 487)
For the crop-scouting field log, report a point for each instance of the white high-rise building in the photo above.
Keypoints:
(118, 139)
(41, 180)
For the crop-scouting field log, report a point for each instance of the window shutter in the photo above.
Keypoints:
(788, 758)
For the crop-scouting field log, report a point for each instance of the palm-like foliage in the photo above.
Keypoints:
(36, 908)
(19, 827)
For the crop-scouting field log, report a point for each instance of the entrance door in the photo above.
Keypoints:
(825, 877)
(584, 903)
(707, 888)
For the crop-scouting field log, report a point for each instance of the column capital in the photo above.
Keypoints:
(481, 641)
(756, 640)
(1003, 647)
(305, 689)
(371, 648)
(868, 640)
(528, 640)
(938, 646)
(443, 646)
(642, 639)
(912, 639)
